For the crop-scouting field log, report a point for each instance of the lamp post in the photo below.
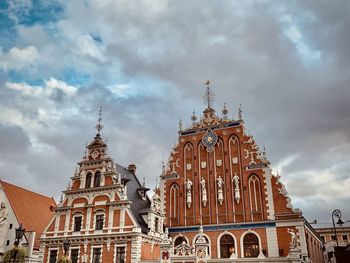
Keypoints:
(18, 237)
(336, 213)
(66, 245)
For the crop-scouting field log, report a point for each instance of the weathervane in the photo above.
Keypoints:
(209, 96)
(99, 126)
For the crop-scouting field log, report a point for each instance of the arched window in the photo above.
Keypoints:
(88, 180)
(251, 245)
(97, 179)
(174, 204)
(254, 195)
(179, 240)
(227, 246)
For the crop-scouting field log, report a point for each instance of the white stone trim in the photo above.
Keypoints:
(209, 242)
(218, 242)
(302, 238)
(268, 192)
(261, 255)
(272, 242)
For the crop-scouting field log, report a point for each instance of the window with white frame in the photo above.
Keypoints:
(53, 256)
(120, 255)
(97, 179)
(96, 255)
(251, 245)
(74, 255)
(99, 220)
(78, 219)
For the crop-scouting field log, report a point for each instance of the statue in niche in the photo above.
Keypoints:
(294, 240)
(204, 192)
(235, 180)
(189, 192)
(220, 184)
(3, 225)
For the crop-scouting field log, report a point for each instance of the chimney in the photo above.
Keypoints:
(132, 168)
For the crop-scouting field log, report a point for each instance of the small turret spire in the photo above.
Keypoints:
(180, 124)
(193, 117)
(99, 126)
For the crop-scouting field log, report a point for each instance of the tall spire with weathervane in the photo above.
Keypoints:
(99, 126)
(209, 96)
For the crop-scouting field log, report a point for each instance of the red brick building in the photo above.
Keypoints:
(105, 214)
(223, 204)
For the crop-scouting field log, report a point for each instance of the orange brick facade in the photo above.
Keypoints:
(219, 182)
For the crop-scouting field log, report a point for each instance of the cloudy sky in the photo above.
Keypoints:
(145, 62)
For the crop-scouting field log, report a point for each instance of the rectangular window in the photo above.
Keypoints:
(99, 222)
(345, 237)
(7, 242)
(53, 256)
(11, 225)
(74, 255)
(77, 223)
(96, 255)
(333, 237)
(322, 237)
(120, 257)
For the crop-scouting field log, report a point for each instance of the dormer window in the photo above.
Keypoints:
(88, 180)
(97, 179)
(142, 191)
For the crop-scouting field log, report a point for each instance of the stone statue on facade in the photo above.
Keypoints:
(220, 184)
(189, 192)
(294, 240)
(3, 226)
(204, 192)
(235, 180)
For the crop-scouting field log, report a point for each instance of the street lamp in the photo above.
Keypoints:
(336, 213)
(19, 234)
(66, 245)
(18, 237)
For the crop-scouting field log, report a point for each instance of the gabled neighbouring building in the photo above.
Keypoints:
(105, 213)
(21, 206)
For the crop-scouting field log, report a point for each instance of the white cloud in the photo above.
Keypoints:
(18, 58)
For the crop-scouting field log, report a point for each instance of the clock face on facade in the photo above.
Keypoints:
(209, 140)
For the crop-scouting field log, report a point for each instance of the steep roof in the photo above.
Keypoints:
(138, 204)
(31, 209)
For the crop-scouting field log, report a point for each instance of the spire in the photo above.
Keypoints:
(99, 126)
(193, 117)
(180, 124)
(209, 96)
(225, 111)
(240, 112)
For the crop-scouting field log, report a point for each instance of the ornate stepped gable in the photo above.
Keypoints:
(105, 213)
(219, 178)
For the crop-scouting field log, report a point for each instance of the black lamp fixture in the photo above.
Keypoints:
(66, 245)
(19, 233)
(337, 213)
